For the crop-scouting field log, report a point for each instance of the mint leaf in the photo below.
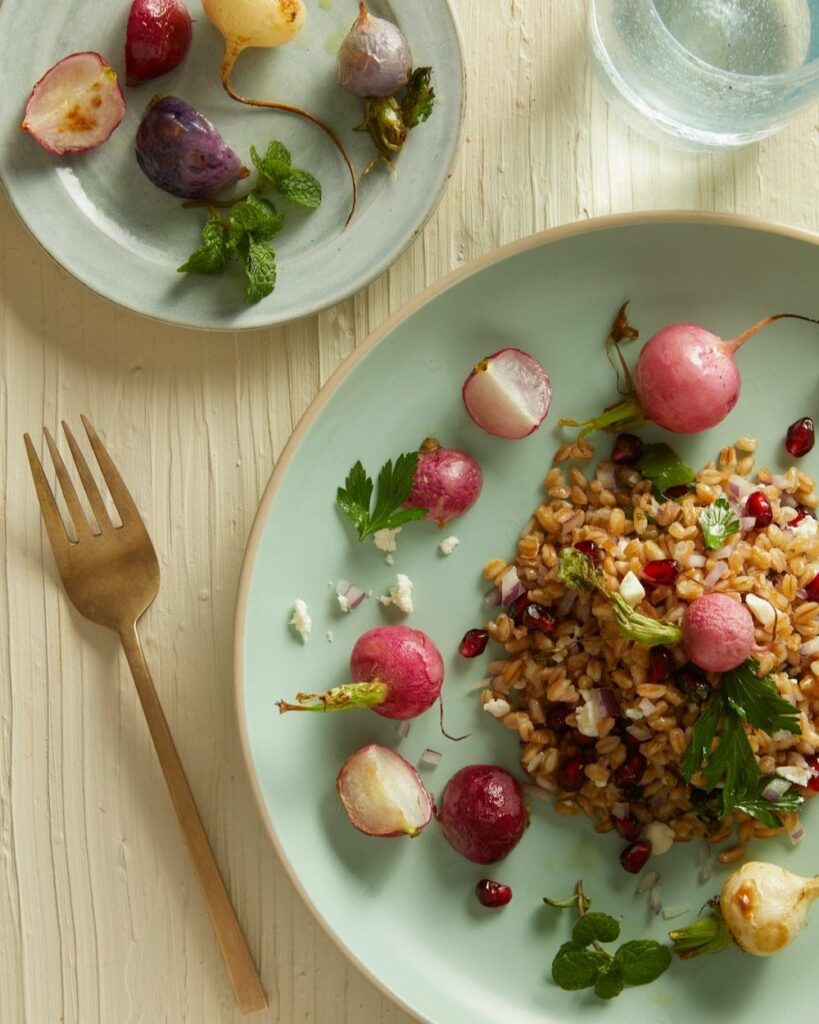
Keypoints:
(660, 464)
(275, 163)
(575, 968)
(260, 270)
(256, 215)
(642, 961)
(560, 904)
(300, 187)
(599, 927)
(418, 99)
(212, 256)
(609, 982)
(718, 522)
(394, 488)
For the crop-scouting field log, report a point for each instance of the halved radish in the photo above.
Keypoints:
(508, 394)
(76, 105)
(383, 794)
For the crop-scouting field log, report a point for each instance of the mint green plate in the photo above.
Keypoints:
(99, 216)
(404, 910)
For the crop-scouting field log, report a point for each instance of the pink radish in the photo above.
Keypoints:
(398, 672)
(686, 380)
(508, 394)
(483, 815)
(718, 632)
(157, 39)
(447, 482)
(383, 794)
(76, 105)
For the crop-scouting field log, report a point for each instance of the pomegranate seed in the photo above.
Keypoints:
(661, 572)
(630, 771)
(634, 857)
(628, 827)
(492, 894)
(759, 507)
(580, 739)
(802, 512)
(813, 782)
(693, 684)
(626, 450)
(660, 664)
(594, 551)
(516, 607)
(474, 643)
(678, 491)
(800, 437)
(812, 589)
(572, 774)
(535, 616)
(556, 716)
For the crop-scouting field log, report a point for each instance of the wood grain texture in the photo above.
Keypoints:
(101, 920)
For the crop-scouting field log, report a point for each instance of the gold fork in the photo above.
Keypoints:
(111, 578)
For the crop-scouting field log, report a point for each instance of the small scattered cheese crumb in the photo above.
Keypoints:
(587, 719)
(301, 620)
(389, 559)
(798, 776)
(448, 545)
(497, 707)
(401, 594)
(343, 603)
(806, 529)
(384, 540)
(660, 836)
(635, 714)
(631, 589)
(330, 637)
(762, 610)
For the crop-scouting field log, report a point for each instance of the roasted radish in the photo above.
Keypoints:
(383, 794)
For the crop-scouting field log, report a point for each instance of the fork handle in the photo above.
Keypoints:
(244, 977)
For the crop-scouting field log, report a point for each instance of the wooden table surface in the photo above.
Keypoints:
(101, 921)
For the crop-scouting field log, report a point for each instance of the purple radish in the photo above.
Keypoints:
(398, 672)
(76, 105)
(157, 39)
(686, 380)
(383, 794)
(508, 394)
(718, 632)
(482, 813)
(375, 58)
(447, 482)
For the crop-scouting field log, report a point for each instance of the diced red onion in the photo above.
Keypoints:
(776, 789)
(695, 561)
(566, 603)
(403, 729)
(606, 475)
(802, 594)
(574, 520)
(797, 834)
(639, 732)
(431, 757)
(510, 586)
(747, 523)
(726, 549)
(537, 793)
(620, 810)
(606, 703)
(707, 871)
(671, 510)
(788, 501)
(705, 851)
(647, 882)
(739, 487)
(654, 904)
(493, 597)
(352, 594)
(716, 574)
(798, 761)
(656, 803)
(648, 707)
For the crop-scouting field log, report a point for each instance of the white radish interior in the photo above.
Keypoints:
(511, 397)
(383, 794)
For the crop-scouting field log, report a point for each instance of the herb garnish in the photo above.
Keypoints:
(252, 223)
(660, 464)
(584, 963)
(718, 522)
(389, 119)
(394, 488)
(576, 570)
(743, 698)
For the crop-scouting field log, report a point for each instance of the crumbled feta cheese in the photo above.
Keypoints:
(660, 836)
(389, 559)
(635, 714)
(620, 549)
(807, 528)
(301, 620)
(401, 594)
(810, 647)
(631, 589)
(587, 719)
(498, 707)
(762, 610)
(798, 776)
(384, 540)
(343, 603)
(448, 545)
(330, 637)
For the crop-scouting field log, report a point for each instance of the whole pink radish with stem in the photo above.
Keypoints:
(508, 394)
(383, 794)
(447, 482)
(157, 39)
(76, 105)
(397, 671)
(686, 380)
(718, 632)
(483, 814)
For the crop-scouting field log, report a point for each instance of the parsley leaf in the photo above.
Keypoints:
(260, 270)
(660, 464)
(758, 700)
(212, 256)
(418, 99)
(718, 522)
(393, 489)
(765, 810)
(302, 188)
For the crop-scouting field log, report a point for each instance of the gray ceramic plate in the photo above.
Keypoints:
(405, 909)
(100, 217)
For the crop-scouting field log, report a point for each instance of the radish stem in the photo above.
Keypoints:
(340, 698)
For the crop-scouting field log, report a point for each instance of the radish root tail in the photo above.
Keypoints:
(455, 739)
(739, 341)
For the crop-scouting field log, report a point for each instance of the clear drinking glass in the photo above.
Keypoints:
(707, 73)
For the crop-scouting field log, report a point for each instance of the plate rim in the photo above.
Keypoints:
(380, 268)
(328, 389)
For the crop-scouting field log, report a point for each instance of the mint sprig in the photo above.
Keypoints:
(276, 170)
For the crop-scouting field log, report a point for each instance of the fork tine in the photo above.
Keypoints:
(125, 504)
(88, 482)
(75, 509)
(54, 525)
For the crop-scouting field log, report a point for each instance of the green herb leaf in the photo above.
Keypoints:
(733, 762)
(610, 982)
(275, 163)
(260, 269)
(576, 570)
(702, 736)
(660, 464)
(302, 188)
(642, 961)
(419, 97)
(642, 628)
(212, 256)
(709, 934)
(599, 927)
(758, 700)
(575, 968)
(718, 522)
(256, 215)
(768, 811)
(560, 904)
(394, 487)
